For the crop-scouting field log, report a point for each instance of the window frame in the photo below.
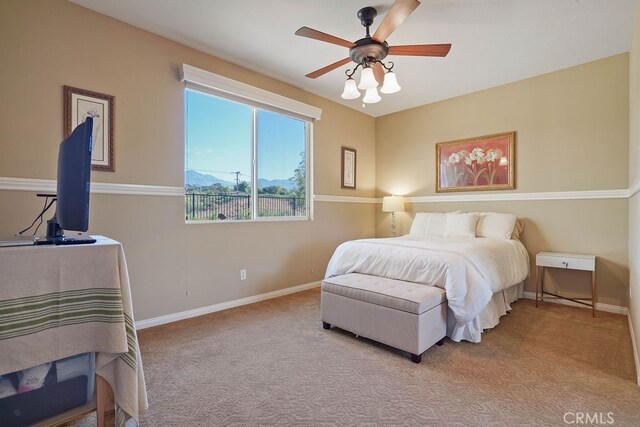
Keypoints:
(308, 128)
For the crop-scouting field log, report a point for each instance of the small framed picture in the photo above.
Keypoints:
(348, 168)
(80, 104)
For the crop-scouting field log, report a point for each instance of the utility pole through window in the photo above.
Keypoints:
(237, 174)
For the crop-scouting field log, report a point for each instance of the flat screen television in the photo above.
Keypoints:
(74, 181)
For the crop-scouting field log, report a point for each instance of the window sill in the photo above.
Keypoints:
(248, 221)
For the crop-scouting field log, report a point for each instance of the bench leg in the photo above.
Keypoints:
(416, 358)
(439, 343)
(326, 325)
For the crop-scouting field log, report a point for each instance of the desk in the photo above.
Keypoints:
(65, 300)
(571, 262)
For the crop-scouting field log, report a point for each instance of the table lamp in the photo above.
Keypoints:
(393, 204)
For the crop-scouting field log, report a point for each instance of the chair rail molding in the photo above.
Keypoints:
(49, 185)
(634, 189)
(509, 197)
(345, 199)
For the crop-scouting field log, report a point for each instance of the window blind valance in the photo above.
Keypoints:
(224, 87)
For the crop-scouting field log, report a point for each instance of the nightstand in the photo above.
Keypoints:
(569, 262)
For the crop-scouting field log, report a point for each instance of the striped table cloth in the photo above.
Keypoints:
(59, 301)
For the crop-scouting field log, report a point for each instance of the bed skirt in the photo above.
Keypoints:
(488, 317)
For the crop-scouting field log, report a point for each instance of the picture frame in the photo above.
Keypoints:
(349, 159)
(476, 164)
(80, 103)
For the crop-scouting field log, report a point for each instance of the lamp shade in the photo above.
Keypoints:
(367, 79)
(371, 96)
(503, 161)
(393, 204)
(390, 84)
(350, 90)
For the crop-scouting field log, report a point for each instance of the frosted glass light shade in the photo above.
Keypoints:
(371, 96)
(367, 79)
(350, 90)
(393, 204)
(390, 84)
(503, 161)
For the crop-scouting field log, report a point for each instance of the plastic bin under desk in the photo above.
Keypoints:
(70, 383)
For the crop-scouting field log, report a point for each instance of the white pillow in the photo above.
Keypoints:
(461, 225)
(431, 224)
(419, 224)
(495, 225)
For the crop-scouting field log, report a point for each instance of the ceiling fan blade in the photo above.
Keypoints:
(325, 70)
(378, 72)
(323, 37)
(396, 16)
(420, 50)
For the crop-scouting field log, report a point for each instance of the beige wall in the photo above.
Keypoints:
(47, 44)
(634, 181)
(572, 134)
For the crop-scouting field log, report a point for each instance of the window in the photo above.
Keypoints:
(243, 162)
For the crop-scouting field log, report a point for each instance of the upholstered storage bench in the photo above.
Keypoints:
(405, 315)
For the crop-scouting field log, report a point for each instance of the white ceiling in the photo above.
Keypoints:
(494, 41)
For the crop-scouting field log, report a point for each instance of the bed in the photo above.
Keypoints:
(481, 275)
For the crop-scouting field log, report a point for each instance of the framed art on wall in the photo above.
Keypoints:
(80, 104)
(348, 168)
(480, 163)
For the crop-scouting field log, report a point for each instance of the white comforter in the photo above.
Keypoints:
(469, 270)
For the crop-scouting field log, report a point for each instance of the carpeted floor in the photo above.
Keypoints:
(271, 363)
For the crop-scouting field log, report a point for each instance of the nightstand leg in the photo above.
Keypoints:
(541, 284)
(593, 292)
(537, 283)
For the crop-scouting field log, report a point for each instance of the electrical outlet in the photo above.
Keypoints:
(243, 274)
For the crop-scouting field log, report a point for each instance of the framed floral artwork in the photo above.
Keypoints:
(80, 104)
(348, 168)
(480, 163)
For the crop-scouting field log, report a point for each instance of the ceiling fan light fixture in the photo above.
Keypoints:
(371, 96)
(370, 51)
(367, 80)
(350, 90)
(390, 84)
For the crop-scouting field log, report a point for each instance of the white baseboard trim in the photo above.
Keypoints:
(599, 306)
(635, 349)
(174, 317)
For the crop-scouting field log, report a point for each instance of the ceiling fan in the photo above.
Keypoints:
(370, 51)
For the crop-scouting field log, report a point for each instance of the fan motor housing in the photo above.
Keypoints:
(368, 48)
